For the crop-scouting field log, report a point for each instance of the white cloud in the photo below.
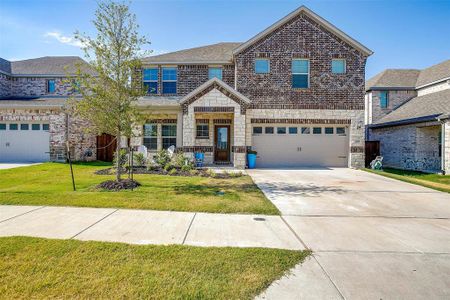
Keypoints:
(68, 40)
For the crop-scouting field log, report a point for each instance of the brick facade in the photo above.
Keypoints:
(395, 99)
(410, 147)
(302, 38)
(37, 86)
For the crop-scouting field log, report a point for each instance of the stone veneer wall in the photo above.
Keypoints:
(81, 142)
(302, 37)
(37, 86)
(356, 118)
(215, 98)
(396, 98)
(409, 147)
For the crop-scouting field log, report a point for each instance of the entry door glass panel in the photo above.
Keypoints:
(222, 138)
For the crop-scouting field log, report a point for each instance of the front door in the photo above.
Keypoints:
(222, 143)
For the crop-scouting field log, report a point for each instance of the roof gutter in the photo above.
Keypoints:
(390, 88)
(406, 121)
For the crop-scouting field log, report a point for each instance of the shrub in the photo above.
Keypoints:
(182, 162)
(123, 158)
(139, 160)
(211, 173)
(162, 159)
(173, 171)
(168, 167)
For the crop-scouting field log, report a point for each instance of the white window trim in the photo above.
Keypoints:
(268, 65)
(309, 71)
(345, 65)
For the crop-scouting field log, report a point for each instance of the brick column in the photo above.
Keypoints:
(239, 140)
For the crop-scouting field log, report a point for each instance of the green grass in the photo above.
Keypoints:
(50, 184)
(41, 269)
(434, 181)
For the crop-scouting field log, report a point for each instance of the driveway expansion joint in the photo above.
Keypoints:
(295, 234)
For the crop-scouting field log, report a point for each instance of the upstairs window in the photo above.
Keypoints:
(262, 66)
(169, 135)
(150, 136)
(215, 73)
(150, 79)
(51, 87)
(384, 99)
(169, 80)
(338, 66)
(75, 86)
(300, 73)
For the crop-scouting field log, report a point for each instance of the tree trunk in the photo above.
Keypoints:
(118, 157)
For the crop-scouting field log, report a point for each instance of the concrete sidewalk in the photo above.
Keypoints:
(147, 227)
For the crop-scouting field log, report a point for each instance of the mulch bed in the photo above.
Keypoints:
(177, 172)
(124, 184)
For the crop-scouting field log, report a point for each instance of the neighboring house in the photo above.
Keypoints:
(33, 125)
(294, 93)
(408, 112)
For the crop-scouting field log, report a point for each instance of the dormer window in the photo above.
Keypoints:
(215, 73)
(51, 87)
(150, 79)
(262, 66)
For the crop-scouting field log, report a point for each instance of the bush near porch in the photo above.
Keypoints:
(50, 184)
(434, 181)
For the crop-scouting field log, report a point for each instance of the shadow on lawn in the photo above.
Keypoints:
(214, 190)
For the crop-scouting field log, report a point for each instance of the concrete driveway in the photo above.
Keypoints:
(4, 166)
(372, 237)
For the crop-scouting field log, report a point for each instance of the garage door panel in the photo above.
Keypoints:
(301, 150)
(24, 145)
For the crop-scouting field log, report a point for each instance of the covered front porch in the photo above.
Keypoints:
(214, 124)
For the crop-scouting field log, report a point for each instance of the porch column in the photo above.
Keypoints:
(189, 130)
(239, 148)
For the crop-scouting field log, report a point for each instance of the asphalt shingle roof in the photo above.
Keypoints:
(221, 52)
(394, 78)
(49, 65)
(434, 73)
(429, 105)
(412, 78)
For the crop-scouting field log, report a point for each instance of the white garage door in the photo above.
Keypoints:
(300, 146)
(24, 142)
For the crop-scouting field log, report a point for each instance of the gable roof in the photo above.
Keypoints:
(215, 53)
(394, 78)
(50, 65)
(434, 73)
(409, 78)
(315, 17)
(214, 82)
(423, 108)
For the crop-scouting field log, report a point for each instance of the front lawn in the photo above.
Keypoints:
(50, 184)
(434, 181)
(41, 269)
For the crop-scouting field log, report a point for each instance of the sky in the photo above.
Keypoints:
(402, 34)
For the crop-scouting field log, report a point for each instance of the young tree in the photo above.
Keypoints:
(109, 97)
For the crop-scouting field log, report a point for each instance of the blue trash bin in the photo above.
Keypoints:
(251, 158)
(199, 158)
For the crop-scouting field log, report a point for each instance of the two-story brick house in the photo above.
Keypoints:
(294, 93)
(408, 112)
(33, 123)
